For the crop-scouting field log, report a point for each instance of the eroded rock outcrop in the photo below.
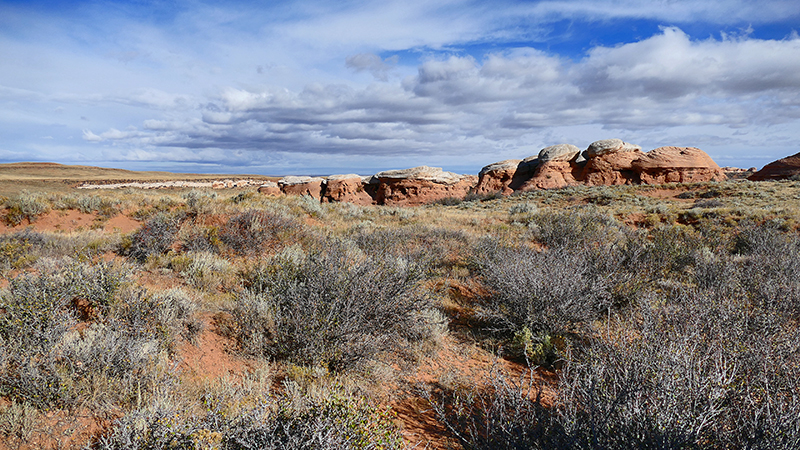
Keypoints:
(781, 169)
(604, 162)
(270, 188)
(610, 162)
(677, 165)
(551, 175)
(350, 188)
(559, 152)
(421, 185)
(506, 176)
(606, 146)
(313, 186)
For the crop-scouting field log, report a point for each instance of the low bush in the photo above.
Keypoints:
(573, 228)
(542, 291)
(287, 422)
(336, 307)
(155, 237)
(115, 355)
(258, 231)
(25, 206)
(207, 271)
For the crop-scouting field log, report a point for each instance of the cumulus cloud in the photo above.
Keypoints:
(461, 103)
(671, 65)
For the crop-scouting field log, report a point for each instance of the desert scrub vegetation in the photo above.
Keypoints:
(291, 420)
(25, 206)
(334, 306)
(258, 231)
(76, 335)
(153, 238)
(703, 354)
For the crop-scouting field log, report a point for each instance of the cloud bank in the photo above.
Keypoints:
(366, 86)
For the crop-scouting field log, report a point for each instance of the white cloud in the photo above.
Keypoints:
(461, 104)
(91, 137)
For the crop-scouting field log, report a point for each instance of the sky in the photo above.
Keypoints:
(320, 87)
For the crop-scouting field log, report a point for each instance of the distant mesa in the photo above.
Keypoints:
(782, 169)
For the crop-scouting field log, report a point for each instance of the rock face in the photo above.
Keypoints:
(677, 165)
(312, 186)
(350, 188)
(421, 185)
(551, 175)
(270, 188)
(781, 169)
(506, 176)
(605, 162)
(611, 168)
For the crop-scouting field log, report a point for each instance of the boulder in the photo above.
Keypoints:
(611, 169)
(606, 146)
(421, 185)
(270, 188)
(505, 176)
(349, 188)
(677, 165)
(781, 169)
(560, 152)
(313, 186)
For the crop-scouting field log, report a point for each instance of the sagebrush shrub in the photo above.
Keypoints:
(25, 205)
(544, 291)
(336, 307)
(47, 360)
(258, 231)
(155, 237)
(285, 422)
(573, 228)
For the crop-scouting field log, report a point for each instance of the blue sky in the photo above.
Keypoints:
(361, 86)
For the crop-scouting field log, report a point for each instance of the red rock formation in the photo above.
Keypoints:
(270, 188)
(611, 169)
(312, 186)
(505, 176)
(349, 188)
(677, 165)
(421, 185)
(781, 169)
(551, 175)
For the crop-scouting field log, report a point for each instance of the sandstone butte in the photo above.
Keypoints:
(781, 169)
(605, 162)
